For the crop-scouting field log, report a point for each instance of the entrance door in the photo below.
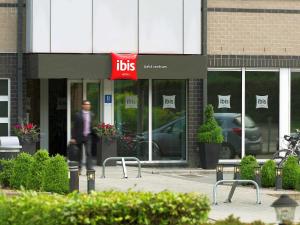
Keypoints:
(79, 91)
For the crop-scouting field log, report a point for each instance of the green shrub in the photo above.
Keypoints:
(21, 173)
(248, 164)
(6, 172)
(290, 171)
(55, 176)
(210, 131)
(106, 208)
(268, 173)
(38, 168)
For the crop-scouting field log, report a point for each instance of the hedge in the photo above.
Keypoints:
(21, 173)
(290, 172)
(248, 164)
(105, 208)
(38, 172)
(268, 174)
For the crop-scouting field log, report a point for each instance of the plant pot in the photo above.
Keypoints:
(29, 147)
(209, 155)
(106, 147)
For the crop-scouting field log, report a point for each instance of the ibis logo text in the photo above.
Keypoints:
(124, 66)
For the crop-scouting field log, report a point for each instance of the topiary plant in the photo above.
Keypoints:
(248, 164)
(7, 167)
(210, 131)
(268, 174)
(21, 173)
(290, 171)
(39, 164)
(55, 175)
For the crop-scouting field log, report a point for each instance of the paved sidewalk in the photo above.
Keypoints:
(193, 180)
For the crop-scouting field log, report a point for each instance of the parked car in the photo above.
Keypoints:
(232, 131)
(168, 140)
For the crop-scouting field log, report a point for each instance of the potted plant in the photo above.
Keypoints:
(28, 134)
(107, 142)
(210, 137)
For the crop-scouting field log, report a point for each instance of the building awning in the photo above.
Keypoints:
(98, 66)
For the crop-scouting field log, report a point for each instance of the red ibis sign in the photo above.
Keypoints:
(123, 66)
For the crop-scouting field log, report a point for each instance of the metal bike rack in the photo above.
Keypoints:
(233, 187)
(123, 165)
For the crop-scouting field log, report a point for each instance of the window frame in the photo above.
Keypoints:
(7, 98)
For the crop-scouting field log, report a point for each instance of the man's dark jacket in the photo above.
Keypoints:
(77, 131)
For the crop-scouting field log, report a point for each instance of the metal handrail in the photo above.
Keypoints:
(233, 187)
(123, 164)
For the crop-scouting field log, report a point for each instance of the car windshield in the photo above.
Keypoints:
(249, 123)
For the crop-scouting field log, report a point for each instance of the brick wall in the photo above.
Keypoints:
(253, 27)
(8, 49)
(195, 115)
(8, 29)
(256, 4)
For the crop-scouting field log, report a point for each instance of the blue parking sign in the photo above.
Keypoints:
(108, 99)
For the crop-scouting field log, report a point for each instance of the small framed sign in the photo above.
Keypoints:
(107, 98)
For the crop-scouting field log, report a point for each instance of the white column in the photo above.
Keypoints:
(44, 113)
(108, 108)
(284, 103)
(243, 110)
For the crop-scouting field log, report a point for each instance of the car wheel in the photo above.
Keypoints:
(227, 151)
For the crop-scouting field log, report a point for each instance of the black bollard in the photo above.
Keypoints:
(74, 176)
(90, 180)
(219, 172)
(258, 175)
(278, 182)
(237, 174)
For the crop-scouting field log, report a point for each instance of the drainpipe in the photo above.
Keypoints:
(20, 59)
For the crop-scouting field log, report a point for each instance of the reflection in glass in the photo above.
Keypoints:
(3, 87)
(76, 100)
(3, 129)
(169, 119)
(262, 106)
(93, 95)
(131, 117)
(4, 109)
(224, 92)
(295, 100)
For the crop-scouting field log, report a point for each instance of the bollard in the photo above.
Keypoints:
(73, 176)
(237, 174)
(258, 175)
(90, 180)
(278, 182)
(219, 172)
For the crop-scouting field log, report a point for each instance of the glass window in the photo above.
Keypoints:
(262, 113)
(4, 87)
(295, 99)
(76, 100)
(3, 129)
(169, 120)
(4, 109)
(224, 92)
(131, 117)
(93, 95)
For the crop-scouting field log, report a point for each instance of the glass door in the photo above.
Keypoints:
(79, 91)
